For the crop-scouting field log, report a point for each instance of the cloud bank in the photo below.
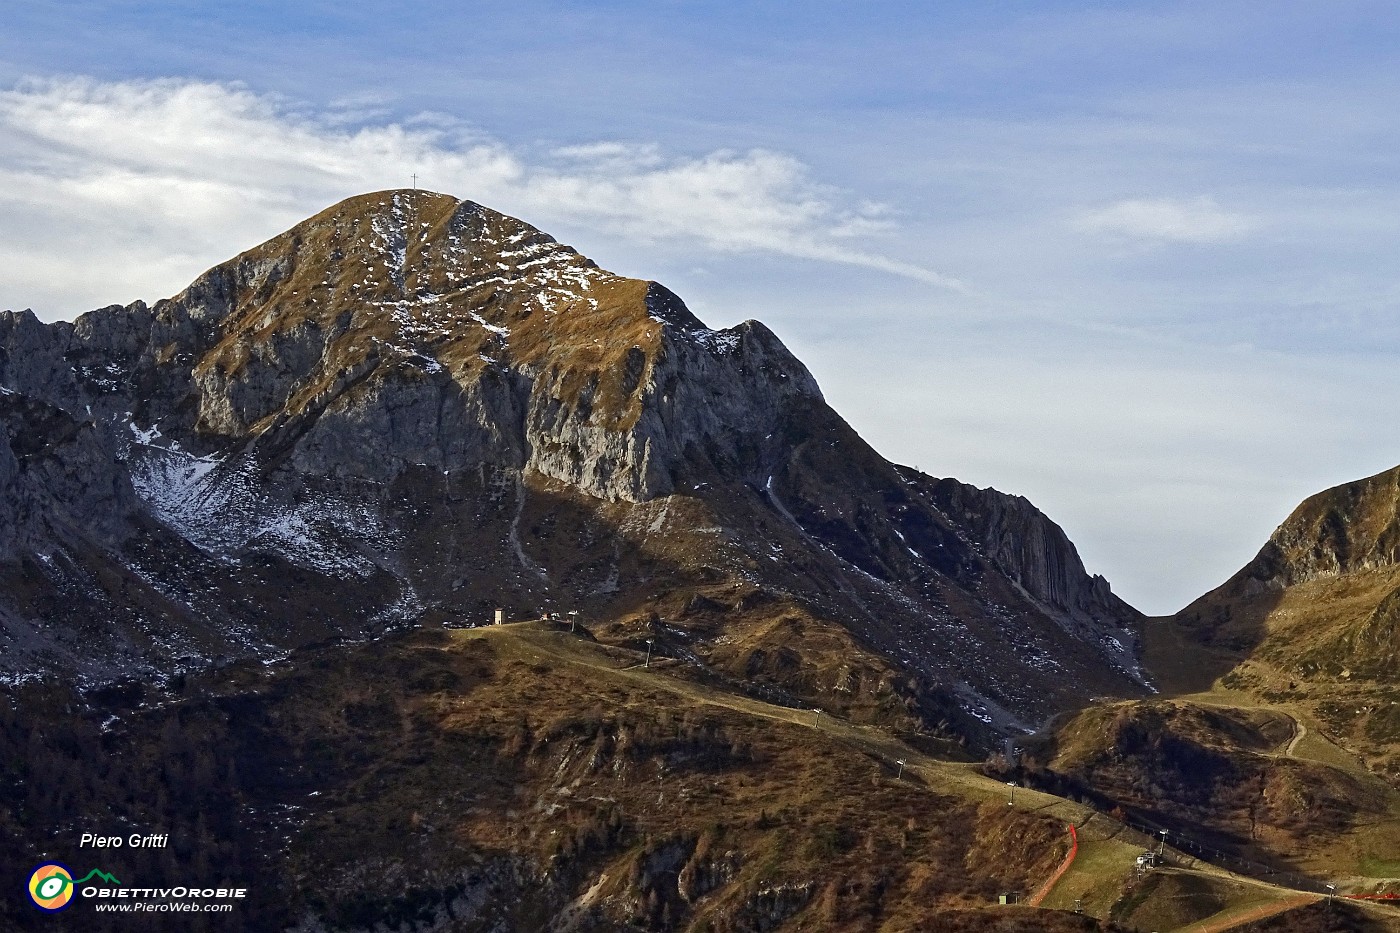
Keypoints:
(110, 189)
(1197, 220)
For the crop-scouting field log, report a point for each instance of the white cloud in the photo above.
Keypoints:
(112, 191)
(613, 155)
(1198, 220)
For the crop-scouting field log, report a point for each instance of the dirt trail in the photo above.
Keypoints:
(944, 776)
(1262, 912)
(561, 647)
(1322, 749)
(1300, 732)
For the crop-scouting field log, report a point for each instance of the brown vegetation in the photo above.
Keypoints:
(473, 775)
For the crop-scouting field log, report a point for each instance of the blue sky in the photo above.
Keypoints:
(1130, 260)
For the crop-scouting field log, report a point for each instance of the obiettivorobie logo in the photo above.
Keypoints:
(51, 885)
(52, 888)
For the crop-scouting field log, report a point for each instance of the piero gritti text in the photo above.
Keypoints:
(133, 841)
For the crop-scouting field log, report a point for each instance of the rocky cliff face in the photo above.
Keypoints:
(1350, 528)
(60, 479)
(1348, 531)
(1037, 556)
(411, 408)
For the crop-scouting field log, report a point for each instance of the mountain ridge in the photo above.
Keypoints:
(407, 372)
(234, 525)
(1277, 735)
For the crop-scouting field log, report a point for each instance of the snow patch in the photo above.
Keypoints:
(219, 506)
(716, 341)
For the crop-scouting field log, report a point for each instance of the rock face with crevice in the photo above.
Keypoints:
(1036, 555)
(412, 409)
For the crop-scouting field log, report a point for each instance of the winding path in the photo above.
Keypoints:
(1300, 732)
(939, 775)
(1262, 912)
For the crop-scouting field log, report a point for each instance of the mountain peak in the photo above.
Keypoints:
(405, 370)
(428, 263)
(425, 280)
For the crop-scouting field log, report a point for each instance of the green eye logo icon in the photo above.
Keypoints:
(51, 887)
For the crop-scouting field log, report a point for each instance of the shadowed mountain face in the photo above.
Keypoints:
(411, 409)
